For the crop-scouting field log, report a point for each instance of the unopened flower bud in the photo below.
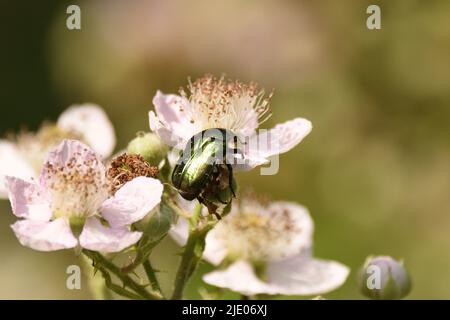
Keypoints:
(384, 278)
(149, 146)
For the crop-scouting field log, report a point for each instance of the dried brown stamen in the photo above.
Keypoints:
(126, 167)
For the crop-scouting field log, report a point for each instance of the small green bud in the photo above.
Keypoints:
(149, 146)
(384, 278)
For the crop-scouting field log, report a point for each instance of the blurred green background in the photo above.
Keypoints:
(375, 171)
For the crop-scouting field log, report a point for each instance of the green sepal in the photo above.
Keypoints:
(156, 229)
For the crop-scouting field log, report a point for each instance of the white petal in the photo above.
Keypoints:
(132, 201)
(77, 154)
(280, 139)
(215, 251)
(171, 121)
(45, 236)
(302, 223)
(304, 275)
(247, 161)
(180, 231)
(12, 163)
(301, 275)
(27, 200)
(171, 108)
(165, 132)
(93, 124)
(98, 237)
(239, 277)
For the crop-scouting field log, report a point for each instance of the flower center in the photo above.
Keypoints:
(221, 103)
(255, 233)
(77, 187)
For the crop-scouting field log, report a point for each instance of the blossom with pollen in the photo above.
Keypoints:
(265, 247)
(24, 155)
(219, 103)
(72, 204)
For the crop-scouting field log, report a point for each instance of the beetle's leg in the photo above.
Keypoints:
(212, 208)
(219, 170)
(230, 179)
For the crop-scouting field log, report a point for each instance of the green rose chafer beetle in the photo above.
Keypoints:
(204, 170)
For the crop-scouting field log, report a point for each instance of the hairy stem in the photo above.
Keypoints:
(150, 272)
(118, 289)
(193, 251)
(97, 284)
(105, 266)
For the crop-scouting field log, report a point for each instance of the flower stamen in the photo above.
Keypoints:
(222, 103)
(126, 167)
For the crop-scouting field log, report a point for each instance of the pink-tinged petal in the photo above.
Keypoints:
(96, 236)
(72, 154)
(304, 275)
(171, 108)
(165, 132)
(286, 136)
(172, 120)
(132, 202)
(93, 124)
(12, 163)
(45, 236)
(27, 200)
(248, 161)
(239, 277)
(280, 139)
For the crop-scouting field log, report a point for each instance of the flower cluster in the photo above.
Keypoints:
(23, 156)
(67, 193)
(72, 205)
(264, 247)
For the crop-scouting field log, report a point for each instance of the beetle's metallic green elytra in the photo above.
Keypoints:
(203, 164)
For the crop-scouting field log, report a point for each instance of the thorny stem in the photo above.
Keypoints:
(104, 265)
(150, 272)
(193, 251)
(118, 289)
(98, 285)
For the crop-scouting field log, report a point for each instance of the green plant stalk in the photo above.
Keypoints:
(97, 284)
(105, 265)
(150, 272)
(193, 251)
(116, 288)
